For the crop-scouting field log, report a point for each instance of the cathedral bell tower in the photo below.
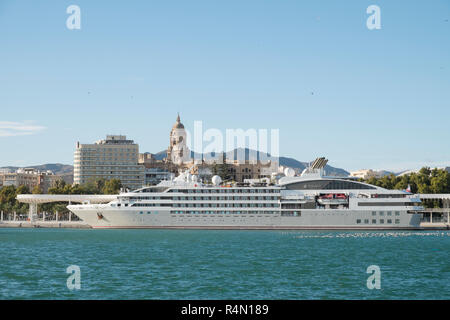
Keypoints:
(178, 152)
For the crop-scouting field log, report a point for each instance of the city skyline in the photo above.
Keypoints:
(363, 98)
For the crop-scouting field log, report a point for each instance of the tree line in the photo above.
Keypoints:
(426, 180)
(8, 194)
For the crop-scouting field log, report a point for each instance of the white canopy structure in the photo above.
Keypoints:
(35, 199)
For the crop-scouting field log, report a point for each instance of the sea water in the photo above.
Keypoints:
(209, 264)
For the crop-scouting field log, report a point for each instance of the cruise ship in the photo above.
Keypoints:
(309, 201)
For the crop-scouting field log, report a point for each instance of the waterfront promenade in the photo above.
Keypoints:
(41, 220)
(44, 224)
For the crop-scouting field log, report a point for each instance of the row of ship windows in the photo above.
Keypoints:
(388, 196)
(388, 204)
(204, 198)
(291, 214)
(328, 185)
(374, 221)
(206, 205)
(223, 212)
(284, 214)
(228, 205)
(225, 190)
(388, 213)
(225, 198)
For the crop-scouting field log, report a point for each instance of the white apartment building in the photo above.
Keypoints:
(365, 174)
(112, 158)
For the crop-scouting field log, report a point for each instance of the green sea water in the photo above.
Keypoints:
(208, 264)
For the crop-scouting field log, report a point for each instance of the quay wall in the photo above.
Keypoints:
(44, 224)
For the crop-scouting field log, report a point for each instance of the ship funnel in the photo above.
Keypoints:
(319, 163)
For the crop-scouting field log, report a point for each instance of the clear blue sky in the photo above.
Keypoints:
(381, 98)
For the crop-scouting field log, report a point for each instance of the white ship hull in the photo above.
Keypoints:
(313, 219)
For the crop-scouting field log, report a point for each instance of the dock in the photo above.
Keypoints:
(45, 224)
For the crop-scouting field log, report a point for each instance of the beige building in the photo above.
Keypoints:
(112, 158)
(239, 171)
(365, 174)
(30, 178)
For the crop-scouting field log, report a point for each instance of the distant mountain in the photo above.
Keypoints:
(56, 168)
(385, 173)
(160, 155)
(284, 161)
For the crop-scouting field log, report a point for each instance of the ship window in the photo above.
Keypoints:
(389, 221)
(381, 220)
(358, 221)
(374, 221)
(397, 213)
(366, 221)
(397, 221)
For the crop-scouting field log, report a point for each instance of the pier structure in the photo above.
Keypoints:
(34, 199)
(436, 217)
